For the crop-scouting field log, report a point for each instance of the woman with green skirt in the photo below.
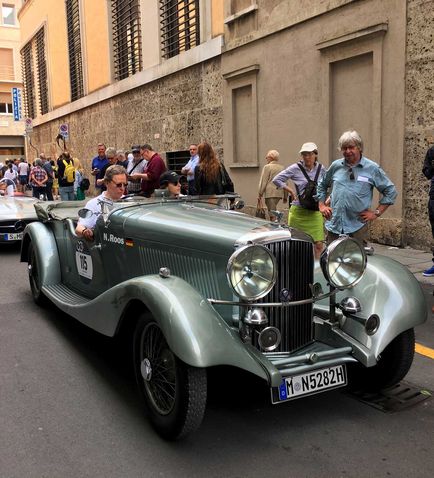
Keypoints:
(304, 213)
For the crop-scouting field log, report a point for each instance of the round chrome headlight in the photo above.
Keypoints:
(251, 272)
(343, 262)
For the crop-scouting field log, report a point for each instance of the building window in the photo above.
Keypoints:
(176, 160)
(35, 80)
(8, 14)
(6, 108)
(28, 80)
(42, 71)
(179, 21)
(74, 49)
(6, 64)
(127, 50)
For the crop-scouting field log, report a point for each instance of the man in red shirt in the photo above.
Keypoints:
(153, 170)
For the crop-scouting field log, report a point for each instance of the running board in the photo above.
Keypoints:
(101, 313)
(62, 293)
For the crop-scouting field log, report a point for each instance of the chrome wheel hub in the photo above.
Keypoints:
(146, 369)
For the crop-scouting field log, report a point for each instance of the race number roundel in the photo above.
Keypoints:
(83, 261)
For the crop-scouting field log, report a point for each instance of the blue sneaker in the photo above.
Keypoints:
(429, 272)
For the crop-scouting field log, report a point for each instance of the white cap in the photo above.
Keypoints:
(308, 148)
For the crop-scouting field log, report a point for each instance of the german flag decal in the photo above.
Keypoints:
(129, 242)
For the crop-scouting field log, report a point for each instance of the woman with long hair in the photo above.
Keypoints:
(210, 175)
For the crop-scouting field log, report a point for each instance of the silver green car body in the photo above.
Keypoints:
(170, 258)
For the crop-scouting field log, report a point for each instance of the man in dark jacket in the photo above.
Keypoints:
(428, 171)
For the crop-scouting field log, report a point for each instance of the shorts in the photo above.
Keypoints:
(23, 180)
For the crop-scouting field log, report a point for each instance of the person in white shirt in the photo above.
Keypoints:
(23, 175)
(189, 168)
(115, 180)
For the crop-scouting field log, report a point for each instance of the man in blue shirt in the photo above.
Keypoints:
(189, 168)
(353, 179)
(98, 162)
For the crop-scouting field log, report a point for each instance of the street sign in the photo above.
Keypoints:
(17, 104)
(64, 131)
(29, 125)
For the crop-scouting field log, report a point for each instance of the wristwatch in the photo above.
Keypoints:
(377, 212)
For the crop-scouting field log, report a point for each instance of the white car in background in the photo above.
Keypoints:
(15, 213)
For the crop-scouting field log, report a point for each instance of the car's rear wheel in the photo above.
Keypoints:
(394, 363)
(35, 277)
(174, 392)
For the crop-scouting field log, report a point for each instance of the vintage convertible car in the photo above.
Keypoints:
(198, 285)
(15, 213)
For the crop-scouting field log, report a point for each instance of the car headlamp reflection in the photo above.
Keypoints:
(343, 262)
(251, 272)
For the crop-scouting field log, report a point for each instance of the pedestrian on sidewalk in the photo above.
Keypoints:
(38, 179)
(303, 213)
(48, 168)
(266, 188)
(352, 180)
(428, 171)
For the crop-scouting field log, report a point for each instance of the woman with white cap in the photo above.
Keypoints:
(304, 213)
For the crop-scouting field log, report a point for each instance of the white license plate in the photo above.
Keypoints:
(13, 237)
(312, 382)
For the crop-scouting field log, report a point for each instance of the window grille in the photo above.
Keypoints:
(179, 26)
(28, 80)
(35, 79)
(127, 48)
(42, 71)
(74, 49)
(176, 160)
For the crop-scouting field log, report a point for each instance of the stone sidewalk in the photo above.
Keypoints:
(415, 260)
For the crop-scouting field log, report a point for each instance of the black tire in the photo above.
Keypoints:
(174, 392)
(35, 278)
(394, 363)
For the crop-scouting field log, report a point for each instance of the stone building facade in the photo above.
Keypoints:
(171, 113)
(270, 75)
(419, 120)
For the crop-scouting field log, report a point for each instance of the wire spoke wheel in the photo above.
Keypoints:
(174, 392)
(161, 384)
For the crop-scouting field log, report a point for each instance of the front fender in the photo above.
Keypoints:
(389, 290)
(44, 245)
(194, 330)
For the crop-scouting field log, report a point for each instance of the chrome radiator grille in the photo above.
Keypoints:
(295, 273)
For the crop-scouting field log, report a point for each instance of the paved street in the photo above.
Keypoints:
(69, 408)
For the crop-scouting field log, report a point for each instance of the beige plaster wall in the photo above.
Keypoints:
(293, 90)
(217, 17)
(32, 16)
(95, 41)
(419, 120)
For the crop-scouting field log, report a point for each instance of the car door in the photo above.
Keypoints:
(84, 269)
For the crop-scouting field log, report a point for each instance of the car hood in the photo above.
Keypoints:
(17, 208)
(197, 226)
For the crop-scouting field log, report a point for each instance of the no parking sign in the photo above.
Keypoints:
(64, 131)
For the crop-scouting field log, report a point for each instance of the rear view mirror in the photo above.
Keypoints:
(85, 213)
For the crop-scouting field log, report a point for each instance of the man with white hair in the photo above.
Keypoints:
(352, 180)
